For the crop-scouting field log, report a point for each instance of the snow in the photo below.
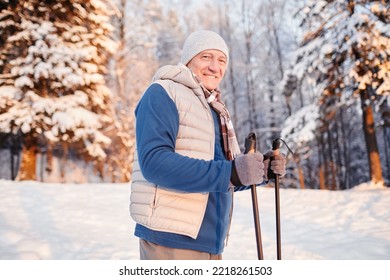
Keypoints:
(91, 222)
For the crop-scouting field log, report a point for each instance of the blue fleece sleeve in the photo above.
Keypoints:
(157, 124)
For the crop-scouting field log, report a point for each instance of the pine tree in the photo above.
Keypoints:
(346, 52)
(52, 84)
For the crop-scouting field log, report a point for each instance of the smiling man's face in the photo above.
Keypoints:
(209, 66)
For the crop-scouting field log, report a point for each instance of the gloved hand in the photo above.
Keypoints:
(247, 169)
(278, 164)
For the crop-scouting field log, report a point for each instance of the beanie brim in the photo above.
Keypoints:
(200, 41)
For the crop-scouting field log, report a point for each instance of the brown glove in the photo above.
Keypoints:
(277, 165)
(247, 169)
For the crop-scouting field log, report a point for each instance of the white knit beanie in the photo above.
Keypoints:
(200, 41)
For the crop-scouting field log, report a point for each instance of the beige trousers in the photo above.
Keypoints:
(151, 251)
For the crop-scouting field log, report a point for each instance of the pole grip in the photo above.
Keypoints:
(250, 143)
(276, 143)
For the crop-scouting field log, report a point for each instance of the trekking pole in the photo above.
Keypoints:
(250, 147)
(275, 146)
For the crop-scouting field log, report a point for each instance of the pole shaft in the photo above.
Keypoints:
(256, 217)
(250, 147)
(275, 146)
(278, 228)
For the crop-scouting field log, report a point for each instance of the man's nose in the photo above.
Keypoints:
(214, 65)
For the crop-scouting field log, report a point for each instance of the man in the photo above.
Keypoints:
(188, 162)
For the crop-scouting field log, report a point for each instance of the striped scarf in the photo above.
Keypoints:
(230, 143)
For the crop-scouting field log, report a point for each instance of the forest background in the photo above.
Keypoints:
(314, 73)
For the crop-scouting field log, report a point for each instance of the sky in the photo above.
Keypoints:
(48, 221)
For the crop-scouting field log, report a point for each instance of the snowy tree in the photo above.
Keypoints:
(298, 130)
(52, 84)
(259, 42)
(278, 40)
(148, 36)
(345, 53)
(119, 161)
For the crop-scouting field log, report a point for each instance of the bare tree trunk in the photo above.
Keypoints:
(340, 147)
(41, 165)
(321, 177)
(49, 158)
(321, 169)
(274, 31)
(27, 170)
(333, 173)
(12, 164)
(385, 109)
(387, 151)
(374, 162)
(346, 157)
(64, 159)
(301, 177)
(248, 36)
(309, 173)
(120, 66)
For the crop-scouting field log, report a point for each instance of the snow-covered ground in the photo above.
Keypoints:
(91, 222)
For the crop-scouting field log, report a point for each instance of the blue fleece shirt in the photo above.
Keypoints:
(157, 123)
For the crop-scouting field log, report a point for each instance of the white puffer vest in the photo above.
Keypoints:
(159, 208)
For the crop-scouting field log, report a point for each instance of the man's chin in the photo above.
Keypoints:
(210, 87)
